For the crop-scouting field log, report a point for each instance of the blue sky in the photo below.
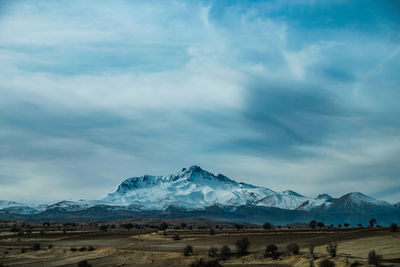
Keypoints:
(289, 94)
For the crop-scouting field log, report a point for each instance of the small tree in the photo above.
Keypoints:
(225, 252)
(326, 263)
(393, 227)
(320, 225)
(242, 246)
(188, 250)
(163, 226)
(212, 231)
(293, 248)
(267, 226)
(212, 252)
(374, 259)
(331, 249)
(372, 222)
(176, 237)
(312, 224)
(346, 225)
(103, 228)
(128, 226)
(271, 251)
(183, 225)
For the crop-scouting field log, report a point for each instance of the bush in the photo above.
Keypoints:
(271, 251)
(176, 237)
(84, 263)
(267, 226)
(212, 231)
(163, 226)
(90, 248)
(74, 249)
(50, 246)
(103, 228)
(82, 249)
(225, 252)
(202, 263)
(36, 247)
(242, 246)
(374, 259)
(188, 250)
(326, 263)
(393, 227)
(293, 248)
(331, 249)
(212, 252)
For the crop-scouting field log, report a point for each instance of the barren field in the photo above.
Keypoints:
(148, 247)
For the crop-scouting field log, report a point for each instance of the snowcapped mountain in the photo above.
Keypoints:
(356, 202)
(190, 189)
(195, 189)
(397, 205)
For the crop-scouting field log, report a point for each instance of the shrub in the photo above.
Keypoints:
(202, 263)
(50, 246)
(84, 263)
(82, 249)
(103, 228)
(267, 226)
(225, 252)
(293, 248)
(374, 259)
(188, 250)
(355, 264)
(320, 225)
(346, 225)
(212, 231)
(90, 248)
(212, 252)
(36, 247)
(312, 224)
(22, 250)
(74, 249)
(176, 237)
(163, 226)
(271, 251)
(372, 222)
(326, 263)
(331, 249)
(393, 227)
(242, 246)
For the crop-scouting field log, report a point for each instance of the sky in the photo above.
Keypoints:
(286, 94)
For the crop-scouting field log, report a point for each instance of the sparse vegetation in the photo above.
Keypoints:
(293, 248)
(267, 226)
(374, 258)
(372, 222)
(271, 251)
(225, 252)
(393, 227)
(163, 226)
(212, 252)
(176, 237)
(36, 247)
(242, 246)
(331, 249)
(188, 250)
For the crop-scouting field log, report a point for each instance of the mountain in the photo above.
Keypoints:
(397, 205)
(189, 189)
(194, 192)
(359, 203)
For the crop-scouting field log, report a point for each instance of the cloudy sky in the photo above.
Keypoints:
(287, 94)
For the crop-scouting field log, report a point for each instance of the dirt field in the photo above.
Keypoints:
(149, 247)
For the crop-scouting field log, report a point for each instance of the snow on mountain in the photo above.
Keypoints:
(356, 202)
(197, 189)
(397, 205)
(192, 188)
(16, 208)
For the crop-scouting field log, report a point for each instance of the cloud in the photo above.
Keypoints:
(267, 92)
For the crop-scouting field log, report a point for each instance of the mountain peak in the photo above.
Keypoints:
(324, 197)
(292, 193)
